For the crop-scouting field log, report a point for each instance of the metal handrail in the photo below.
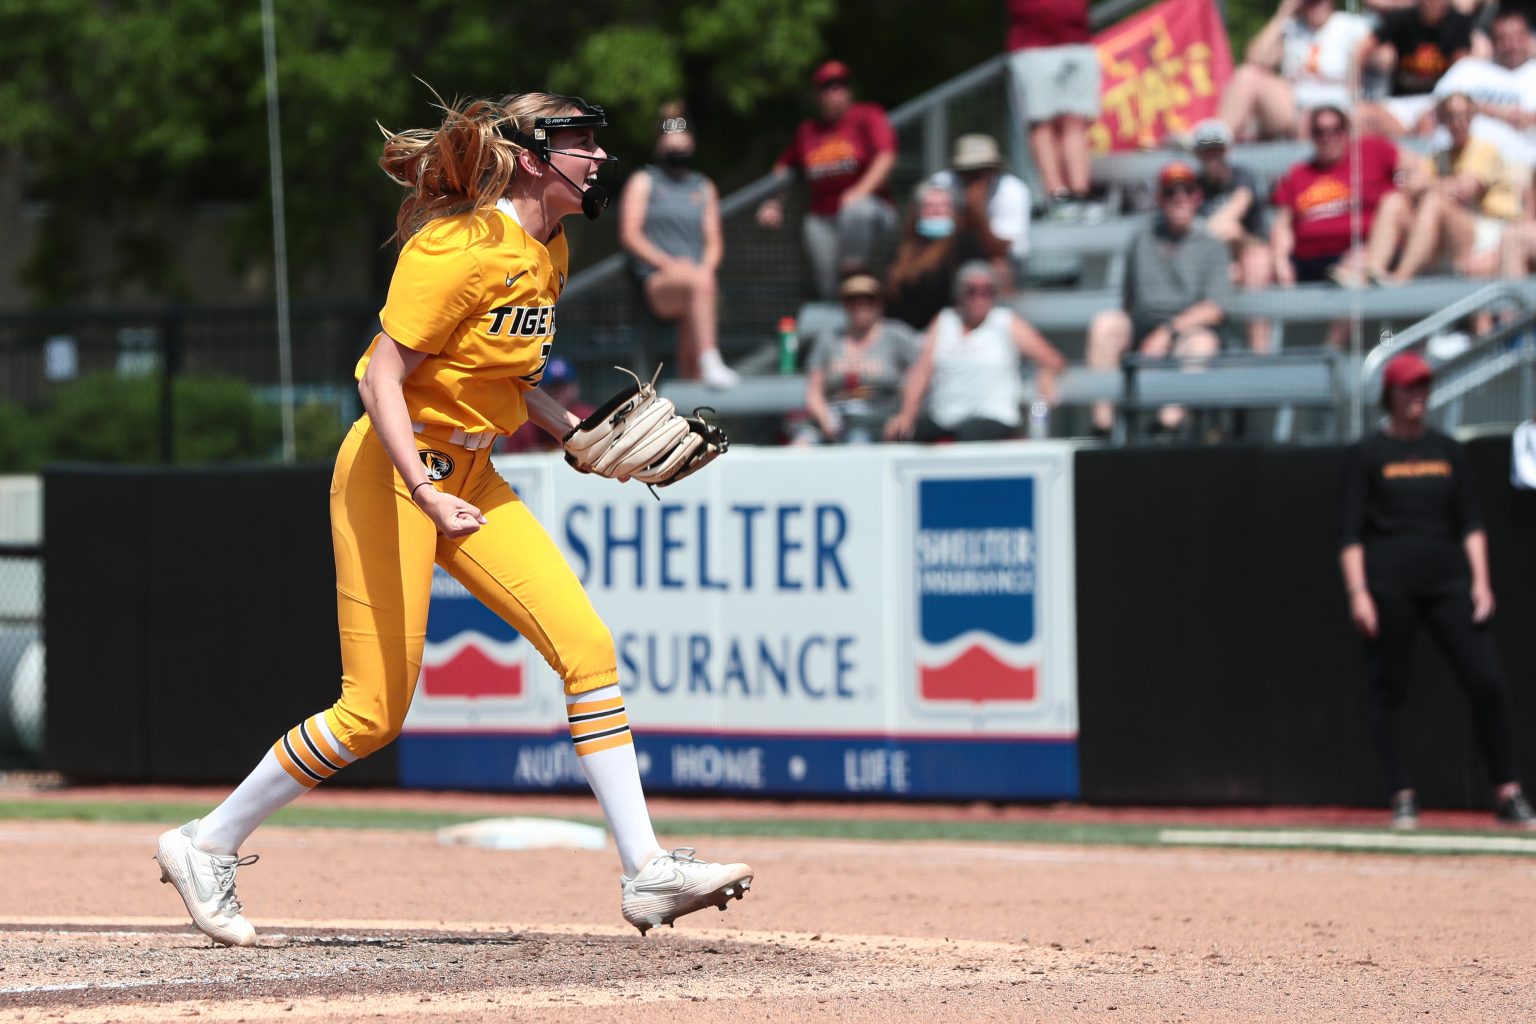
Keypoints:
(1509, 347)
(1370, 370)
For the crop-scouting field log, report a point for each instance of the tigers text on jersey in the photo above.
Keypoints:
(477, 294)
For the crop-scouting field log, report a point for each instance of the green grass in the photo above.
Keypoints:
(1079, 833)
(799, 828)
(176, 813)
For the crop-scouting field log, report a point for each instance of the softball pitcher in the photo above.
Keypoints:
(467, 331)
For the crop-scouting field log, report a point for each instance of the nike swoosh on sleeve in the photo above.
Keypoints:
(511, 278)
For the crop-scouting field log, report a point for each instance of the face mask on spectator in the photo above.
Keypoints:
(677, 159)
(936, 227)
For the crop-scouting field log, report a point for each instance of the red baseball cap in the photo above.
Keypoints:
(1175, 173)
(831, 71)
(1405, 370)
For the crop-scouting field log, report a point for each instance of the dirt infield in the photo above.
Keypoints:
(391, 926)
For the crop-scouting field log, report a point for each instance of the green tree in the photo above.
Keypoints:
(1244, 19)
(19, 440)
(126, 109)
(104, 417)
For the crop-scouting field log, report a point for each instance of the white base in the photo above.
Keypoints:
(525, 834)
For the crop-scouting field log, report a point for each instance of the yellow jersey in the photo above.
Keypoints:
(477, 294)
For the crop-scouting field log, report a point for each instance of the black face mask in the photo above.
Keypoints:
(677, 160)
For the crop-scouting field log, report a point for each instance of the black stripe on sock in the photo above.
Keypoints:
(304, 732)
(579, 740)
(592, 715)
(300, 761)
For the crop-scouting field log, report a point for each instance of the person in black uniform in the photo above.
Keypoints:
(1414, 550)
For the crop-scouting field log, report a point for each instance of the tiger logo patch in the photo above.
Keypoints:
(438, 465)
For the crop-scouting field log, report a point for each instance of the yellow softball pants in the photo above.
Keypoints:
(385, 550)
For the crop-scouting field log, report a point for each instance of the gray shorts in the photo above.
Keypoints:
(1056, 80)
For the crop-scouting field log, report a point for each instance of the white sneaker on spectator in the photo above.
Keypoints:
(714, 372)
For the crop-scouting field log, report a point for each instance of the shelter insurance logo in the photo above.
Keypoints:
(471, 651)
(974, 573)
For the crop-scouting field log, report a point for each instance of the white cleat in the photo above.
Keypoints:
(677, 883)
(206, 882)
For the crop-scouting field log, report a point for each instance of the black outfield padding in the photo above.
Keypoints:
(190, 620)
(1216, 660)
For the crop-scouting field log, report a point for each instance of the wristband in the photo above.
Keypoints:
(424, 483)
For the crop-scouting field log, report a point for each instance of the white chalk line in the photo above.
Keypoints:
(1349, 840)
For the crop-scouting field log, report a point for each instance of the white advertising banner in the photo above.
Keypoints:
(894, 620)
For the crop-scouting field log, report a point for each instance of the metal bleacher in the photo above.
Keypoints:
(1316, 378)
(763, 278)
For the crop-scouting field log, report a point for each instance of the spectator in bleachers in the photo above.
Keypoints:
(994, 200)
(1177, 280)
(1234, 214)
(936, 239)
(560, 383)
(853, 375)
(1310, 227)
(1460, 214)
(845, 154)
(1056, 82)
(966, 384)
(1517, 247)
(1303, 58)
(1414, 48)
(669, 223)
(1502, 90)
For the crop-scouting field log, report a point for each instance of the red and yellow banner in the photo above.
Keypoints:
(1164, 70)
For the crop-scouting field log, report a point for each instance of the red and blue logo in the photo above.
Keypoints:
(471, 651)
(974, 573)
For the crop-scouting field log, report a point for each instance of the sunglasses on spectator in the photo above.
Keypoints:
(973, 290)
(1329, 129)
(854, 300)
(1174, 191)
(833, 83)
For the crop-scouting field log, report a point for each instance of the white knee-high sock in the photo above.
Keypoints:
(305, 756)
(606, 752)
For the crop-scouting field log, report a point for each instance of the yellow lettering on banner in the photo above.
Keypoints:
(1200, 80)
(1142, 101)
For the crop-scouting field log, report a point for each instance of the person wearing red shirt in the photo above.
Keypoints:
(1056, 82)
(1311, 234)
(845, 154)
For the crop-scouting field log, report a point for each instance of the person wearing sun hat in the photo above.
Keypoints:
(854, 374)
(845, 154)
(1413, 551)
(996, 200)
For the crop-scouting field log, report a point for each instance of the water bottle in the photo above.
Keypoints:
(789, 345)
(1039, 419)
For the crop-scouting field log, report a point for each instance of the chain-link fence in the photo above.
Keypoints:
(174, 384)
(21, 655)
